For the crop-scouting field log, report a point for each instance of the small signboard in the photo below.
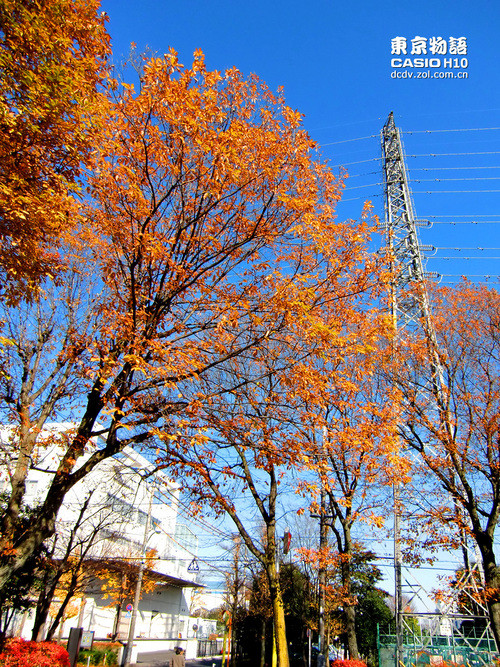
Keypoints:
(87, 639)
(193, 566)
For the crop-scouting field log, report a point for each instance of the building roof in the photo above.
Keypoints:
(118, 564)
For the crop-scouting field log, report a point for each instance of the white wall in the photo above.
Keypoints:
(121, 494)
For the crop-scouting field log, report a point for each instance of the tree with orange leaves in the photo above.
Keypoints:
(451, 423)
(349, 417)
(53, 57)
(206, 220)
(244, 449)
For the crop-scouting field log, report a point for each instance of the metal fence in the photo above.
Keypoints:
(424, 648)
(209, 647)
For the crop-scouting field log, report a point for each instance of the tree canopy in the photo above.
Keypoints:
(173, 277)
(53, 59)
(208, 231)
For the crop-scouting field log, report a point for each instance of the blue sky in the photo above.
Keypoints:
(334, 61)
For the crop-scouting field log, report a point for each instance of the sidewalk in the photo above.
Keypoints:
(208, 661)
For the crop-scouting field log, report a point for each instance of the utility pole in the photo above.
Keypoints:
(323, 541)
(138, 587)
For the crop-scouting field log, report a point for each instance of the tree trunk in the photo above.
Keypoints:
(70, 592)
(349, 606)
(30, 539)
(263, 642)
(494, 609)
(350, 628)
(116, 624)
(278, 614)
(43, 605)
(6, 617)
(41, 614)
(492, 582)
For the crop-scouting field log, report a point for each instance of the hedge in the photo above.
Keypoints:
(21, 653)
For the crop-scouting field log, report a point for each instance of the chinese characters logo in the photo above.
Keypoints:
(430, 57)
(433, 45)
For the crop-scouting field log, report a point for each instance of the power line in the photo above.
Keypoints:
(356, 187)
(465, 129)
(367, 173)
(463, 178)
(345, 141)
(471, 275)
(453, 154)
(436, 192)
(377, 136)
(346, 164)
(466, 215)
(450, 168)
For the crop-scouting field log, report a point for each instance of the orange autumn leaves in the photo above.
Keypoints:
(52, 62)
(205, 248)
(204, 188)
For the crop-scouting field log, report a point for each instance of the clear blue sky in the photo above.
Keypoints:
(334, 61)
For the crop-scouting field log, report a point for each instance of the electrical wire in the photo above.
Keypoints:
(452, 168)
(346, 164)
(466, 215)
(466, 129)
(439, 180)
(356, 187)
(453, 154)
(345, 141)
(439, 192)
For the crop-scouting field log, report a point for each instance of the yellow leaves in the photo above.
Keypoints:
(6, 341)
(7, 548)
(373, 519)
(51, 63)
(198, 61)
(367, 210)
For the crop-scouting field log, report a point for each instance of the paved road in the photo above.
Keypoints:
(161, 659)
(206, 662)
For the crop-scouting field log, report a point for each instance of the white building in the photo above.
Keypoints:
(128, 507)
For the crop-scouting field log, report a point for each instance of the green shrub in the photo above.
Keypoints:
(111, 657)
(97, 656)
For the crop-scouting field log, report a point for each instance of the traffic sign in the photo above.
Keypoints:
(193, 566)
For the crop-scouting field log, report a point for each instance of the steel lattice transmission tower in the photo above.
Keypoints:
(406, 307)
(409, 305)
(409, 301)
